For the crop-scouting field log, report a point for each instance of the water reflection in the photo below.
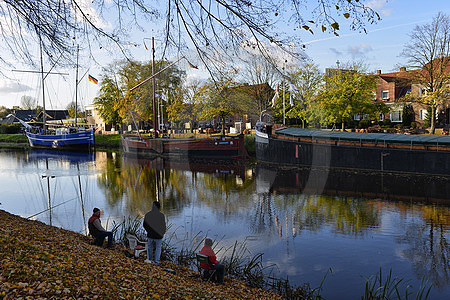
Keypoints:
(141, 181)
(427, 246)
(303, 220)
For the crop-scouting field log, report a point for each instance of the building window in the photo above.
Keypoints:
(385, 95)
(396, 116)
(381, 117)
(423, 114)
(357, 117)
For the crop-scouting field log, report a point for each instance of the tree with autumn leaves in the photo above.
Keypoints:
(116, 102)
(337, 99)
(220, 99)
(348, 93)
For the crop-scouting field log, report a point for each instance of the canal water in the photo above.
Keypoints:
(307, 222)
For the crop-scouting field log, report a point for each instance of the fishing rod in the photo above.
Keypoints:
(52, 207)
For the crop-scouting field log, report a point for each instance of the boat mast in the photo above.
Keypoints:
(155, 117)
(44, 117)
(76, 88)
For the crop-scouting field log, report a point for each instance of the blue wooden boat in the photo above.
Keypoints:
(61, 139)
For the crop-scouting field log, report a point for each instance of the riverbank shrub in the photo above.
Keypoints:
(108, 141)
(13, 138)
(250, 144)
(10, 129)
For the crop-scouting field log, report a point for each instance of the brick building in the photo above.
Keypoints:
(395, 85)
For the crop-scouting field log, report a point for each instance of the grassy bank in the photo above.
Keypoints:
(13, 141)
(108, 142)
(102, 142)
(13, 138)
(39, 261)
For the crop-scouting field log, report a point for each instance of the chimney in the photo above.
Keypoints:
(403, 69)
(378, 72)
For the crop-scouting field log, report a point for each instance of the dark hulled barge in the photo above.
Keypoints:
(428, 154)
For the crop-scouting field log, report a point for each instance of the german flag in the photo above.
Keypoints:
(92, 79)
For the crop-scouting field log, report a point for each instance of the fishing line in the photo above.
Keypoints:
(52, 207)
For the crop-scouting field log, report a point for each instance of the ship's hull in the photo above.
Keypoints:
(224, 146)
(385, 156)
(79, 141)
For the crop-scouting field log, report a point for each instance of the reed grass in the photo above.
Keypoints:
(390, 287)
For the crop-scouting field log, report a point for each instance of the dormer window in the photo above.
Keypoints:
(385, 95)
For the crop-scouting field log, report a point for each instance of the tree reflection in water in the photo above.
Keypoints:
(282, 204)
(428, 249)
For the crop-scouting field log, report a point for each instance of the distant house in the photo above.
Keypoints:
(393, 86)
(53, 115)
(26, 115)
(94, 120)
(34, 116)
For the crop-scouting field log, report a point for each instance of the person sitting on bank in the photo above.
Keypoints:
(97, 231)
(214, 264)
(155, 225)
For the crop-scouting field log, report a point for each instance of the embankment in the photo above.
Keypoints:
(41, 261)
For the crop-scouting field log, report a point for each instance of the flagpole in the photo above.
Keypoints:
(284, 105)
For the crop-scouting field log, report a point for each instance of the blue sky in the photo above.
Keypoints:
(380, 48)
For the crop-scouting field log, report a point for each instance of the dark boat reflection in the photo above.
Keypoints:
(201, 165)
(363, 183)
(71, 157)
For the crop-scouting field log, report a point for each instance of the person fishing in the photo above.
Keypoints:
(155, 225)
(214, 264)
(97, 231)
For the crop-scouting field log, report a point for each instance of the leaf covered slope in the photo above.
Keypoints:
(41, 261)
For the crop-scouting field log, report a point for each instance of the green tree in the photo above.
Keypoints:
(71, 107)
(429, 52)
(178, 110)
(306, 81)
(4, 111)
(105, 103)
(219, 99)
(407, 115)
(345, 94)
(128, 74)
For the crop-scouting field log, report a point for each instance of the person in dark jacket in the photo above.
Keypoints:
(97, 231)
(214, 264)
(155, 225)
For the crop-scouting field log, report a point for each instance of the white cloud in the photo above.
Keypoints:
(13, 87)
(378, 5)
(386, 12)
(336, 52)
(91, 13)
(358, 51)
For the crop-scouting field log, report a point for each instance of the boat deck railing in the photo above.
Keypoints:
(376, 138)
